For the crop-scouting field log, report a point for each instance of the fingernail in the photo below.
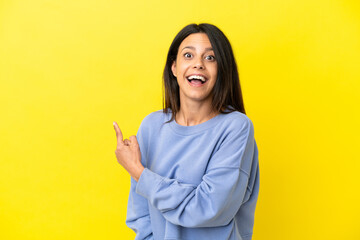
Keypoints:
(114, 123)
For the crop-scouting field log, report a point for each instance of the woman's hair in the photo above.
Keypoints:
(227, 96)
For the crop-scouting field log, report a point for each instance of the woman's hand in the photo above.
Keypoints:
(128, 154)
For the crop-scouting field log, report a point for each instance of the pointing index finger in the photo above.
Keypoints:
(119, 135)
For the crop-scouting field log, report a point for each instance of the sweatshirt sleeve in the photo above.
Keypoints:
(223, 189)
(138, 218)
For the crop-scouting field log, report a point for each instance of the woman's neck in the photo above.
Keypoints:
(193, 113)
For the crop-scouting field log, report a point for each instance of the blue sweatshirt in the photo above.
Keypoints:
(199, 182)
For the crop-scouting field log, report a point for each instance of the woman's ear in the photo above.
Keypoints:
(173, 68)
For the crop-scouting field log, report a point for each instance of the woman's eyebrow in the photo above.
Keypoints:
(193, 48)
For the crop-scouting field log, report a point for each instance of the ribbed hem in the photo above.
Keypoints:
(246, 237)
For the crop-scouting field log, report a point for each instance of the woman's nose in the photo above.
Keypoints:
(199, 64)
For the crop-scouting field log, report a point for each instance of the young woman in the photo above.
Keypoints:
(194, 164)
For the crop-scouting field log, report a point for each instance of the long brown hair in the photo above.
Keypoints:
(227, 96)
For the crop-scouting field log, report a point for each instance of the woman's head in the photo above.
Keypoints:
(226, 90)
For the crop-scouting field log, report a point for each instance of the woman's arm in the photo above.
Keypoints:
(216, 200)
(137, 218)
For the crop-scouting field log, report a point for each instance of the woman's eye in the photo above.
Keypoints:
(187, 55)
(210, 57)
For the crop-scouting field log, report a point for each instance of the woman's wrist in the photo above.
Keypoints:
(137, 173)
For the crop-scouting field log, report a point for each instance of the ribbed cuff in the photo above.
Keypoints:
(148, 183)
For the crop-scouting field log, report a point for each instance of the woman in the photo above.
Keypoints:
(194, 165)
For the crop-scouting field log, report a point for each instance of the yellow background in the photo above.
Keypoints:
(69, 68)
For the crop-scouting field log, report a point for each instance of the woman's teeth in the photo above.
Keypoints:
(195, 77)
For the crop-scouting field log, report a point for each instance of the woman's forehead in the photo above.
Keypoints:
(195, 41)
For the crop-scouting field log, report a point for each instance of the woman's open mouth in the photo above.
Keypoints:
(196, 80)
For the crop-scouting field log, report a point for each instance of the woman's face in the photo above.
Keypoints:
(195, 68)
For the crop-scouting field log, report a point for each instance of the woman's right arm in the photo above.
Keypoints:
(138, 218)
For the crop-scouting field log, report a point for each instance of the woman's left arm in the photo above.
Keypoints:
(224, 187)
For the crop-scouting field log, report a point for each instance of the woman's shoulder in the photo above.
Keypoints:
(154, 119)
(157, 116)
(236, 124)
(236, 120)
